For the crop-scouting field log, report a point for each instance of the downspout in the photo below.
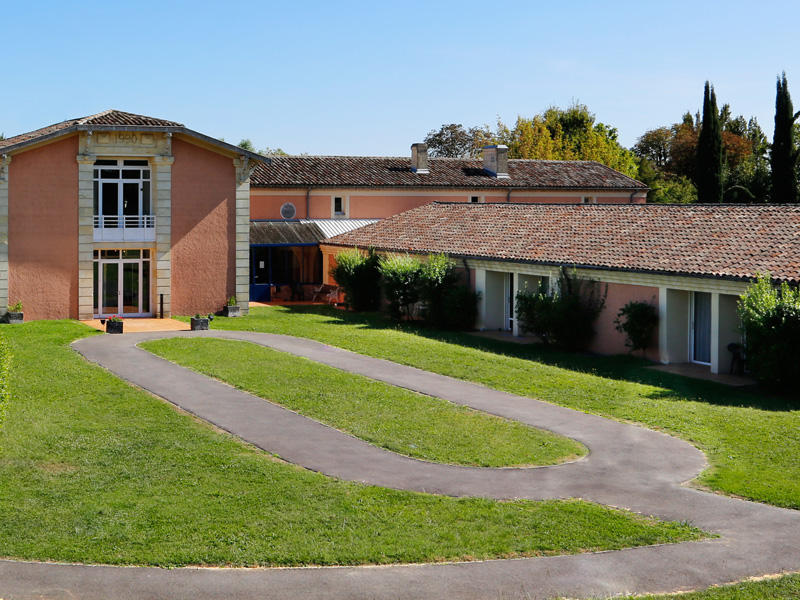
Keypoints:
(308, 203)
(508, 196)
(466, 272)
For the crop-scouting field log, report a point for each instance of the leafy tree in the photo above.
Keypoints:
(784, 148)
(246, 144)
(654, 145)
(709, 150)
(454, 141)
(566, 134)
(273, 152)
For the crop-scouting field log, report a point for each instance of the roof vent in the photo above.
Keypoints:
(288, 211)
(495, 161)
(419, 158)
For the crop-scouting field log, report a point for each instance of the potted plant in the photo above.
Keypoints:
(113, 324)
(200, 323)
(14, 314)
(232, 308)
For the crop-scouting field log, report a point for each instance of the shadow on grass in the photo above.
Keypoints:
(620, 367)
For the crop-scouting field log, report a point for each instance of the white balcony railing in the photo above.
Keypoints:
(124, 228)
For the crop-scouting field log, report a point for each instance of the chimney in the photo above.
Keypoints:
(495, 161)
(419, 158)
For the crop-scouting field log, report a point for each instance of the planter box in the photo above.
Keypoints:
(232, 311)
(113, 326)
(200, 324)
(14, 317)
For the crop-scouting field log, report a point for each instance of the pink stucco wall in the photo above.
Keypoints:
(380, 207)
(43, 230)
(608, 339)
(203, 229)
(385, 205)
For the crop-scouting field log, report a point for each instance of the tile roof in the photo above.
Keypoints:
(116, 120)
(370, 171)
(113, 118)
(729, 241)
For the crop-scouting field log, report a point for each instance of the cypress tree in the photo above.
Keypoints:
(709, 151)
(783, 158)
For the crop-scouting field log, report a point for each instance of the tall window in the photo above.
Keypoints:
(338, 206)
(122, 193)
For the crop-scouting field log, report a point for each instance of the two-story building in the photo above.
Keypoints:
(122, 214)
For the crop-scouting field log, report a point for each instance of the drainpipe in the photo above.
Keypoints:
(308, 203)
(508, 195)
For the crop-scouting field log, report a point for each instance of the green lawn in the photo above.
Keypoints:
(752, 441)
(397, 419)
(783, 588)
(94, 470)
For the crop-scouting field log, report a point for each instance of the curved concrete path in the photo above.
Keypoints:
(628, 466)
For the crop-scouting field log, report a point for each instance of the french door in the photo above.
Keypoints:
(122, 283)
(700, 332)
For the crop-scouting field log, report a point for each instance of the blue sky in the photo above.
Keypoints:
(371, 78)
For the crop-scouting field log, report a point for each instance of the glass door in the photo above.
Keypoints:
(109, 284)
(701, 327)
(122, 283)
(130, 288)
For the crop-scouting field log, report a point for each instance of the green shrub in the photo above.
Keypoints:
(566, 317)
(400, 276)
(770, 319)
(459, 308)
(637, 320)
(437, 276)
(5, 373)
(359, 277)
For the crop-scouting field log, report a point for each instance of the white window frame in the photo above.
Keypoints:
(345, 207)
(481, 199)
(119, 218)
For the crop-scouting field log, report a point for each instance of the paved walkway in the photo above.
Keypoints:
(139, 325)
(628, 466)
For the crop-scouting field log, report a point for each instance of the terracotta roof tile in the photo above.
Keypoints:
(370, 171)
(105, 118)
(731, 241)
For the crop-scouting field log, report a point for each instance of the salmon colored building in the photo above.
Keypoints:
(292, 195)
(123, 214)
(691, 262)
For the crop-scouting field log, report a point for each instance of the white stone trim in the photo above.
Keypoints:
(161, 177)
(244, 169)
(85, 235)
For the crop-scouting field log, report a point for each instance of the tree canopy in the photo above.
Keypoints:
(709, 150)
(570, 133)
(783, 158)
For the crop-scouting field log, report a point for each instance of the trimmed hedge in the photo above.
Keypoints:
(5, 373)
